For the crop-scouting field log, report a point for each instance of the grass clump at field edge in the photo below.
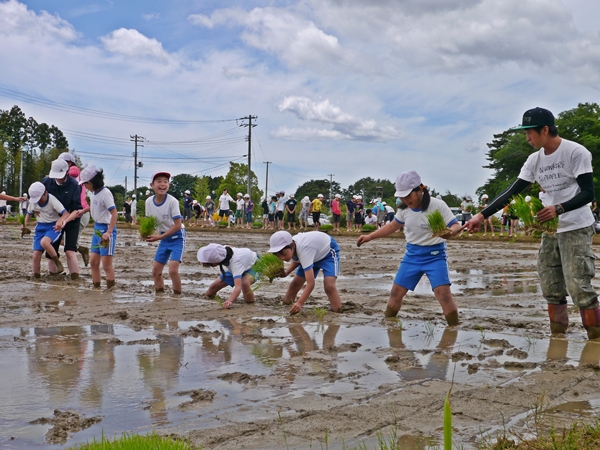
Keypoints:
(137, 442)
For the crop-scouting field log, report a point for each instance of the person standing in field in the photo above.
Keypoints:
(249, 209)
(425, 253)
(336, 211)
(265, 212)
(50, 211)
(303, 216)
(104, 213)
(209, 207)
(224, 209)
(171, 232)
(290, 207)
(187, 206)
(23, 204)
(358, 214)
(240, 206)
(488, 221)
(315, 210)
(133, 209)
(280, 210)
(566, 266)
(350, 213)
(68, 192)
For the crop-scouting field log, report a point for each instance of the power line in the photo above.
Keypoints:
(15, 95)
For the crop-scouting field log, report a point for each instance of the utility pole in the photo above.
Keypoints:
(137, 139)
(330, 175)
(267, 182)
(125, 186)
(249, 138)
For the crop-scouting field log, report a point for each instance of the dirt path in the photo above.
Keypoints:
(344, 376)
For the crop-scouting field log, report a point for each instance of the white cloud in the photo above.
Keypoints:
(344, 125)
(133, 43)
(151, 16)
(16, 19)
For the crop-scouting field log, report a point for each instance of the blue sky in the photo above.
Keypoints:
(346, 87)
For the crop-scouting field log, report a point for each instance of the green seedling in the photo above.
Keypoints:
(481, 331)
(219, 301)
(527, 213)
(368, 227)
(437, 224)
(147, 226)
(268, 266)
(103, 244)
(429, 328)
(320, 312)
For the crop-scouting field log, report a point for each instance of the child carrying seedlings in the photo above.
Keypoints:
(104, 212)
(171, 233)
(425, 254)
(48, 229)
(309, 253)
(239, 274)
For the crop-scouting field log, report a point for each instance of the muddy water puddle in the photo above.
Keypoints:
(202, 374)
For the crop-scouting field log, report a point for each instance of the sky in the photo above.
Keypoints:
(340, 89)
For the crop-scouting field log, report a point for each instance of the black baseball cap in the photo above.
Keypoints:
(536, 117)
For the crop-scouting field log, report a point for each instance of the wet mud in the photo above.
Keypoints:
(85, 361)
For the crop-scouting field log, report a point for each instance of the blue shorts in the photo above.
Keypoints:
(228, 277)
(419, 260)
(171, 248)
(249, 217)
(43, 230)
(112, 241)
(330, 264)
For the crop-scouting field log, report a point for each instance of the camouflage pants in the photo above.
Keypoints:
(566, 267)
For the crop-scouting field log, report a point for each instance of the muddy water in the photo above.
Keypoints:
(76, 361)
(141, 379)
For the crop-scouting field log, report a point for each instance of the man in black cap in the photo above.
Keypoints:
(563, 169)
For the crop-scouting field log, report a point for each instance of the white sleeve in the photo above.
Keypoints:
(528, 170)
(174, 209)
(581, 161)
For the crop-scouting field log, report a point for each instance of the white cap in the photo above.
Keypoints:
(383, 203)
(338, 196)
(3, 192)
(147, 191)
(291, 195)
(59, 169)
(133, 196)
(187, 191)
(212, 254)
(194, 201)
(88, 173)
(36, 190)
(279, 240)
(528, 198)
(25, 194)
(468, 197)
(246, 196)
(359, 197)
(354, 197)
(406, 182)
(239, 194)
(485, 196)
(208, 197)
(67, 157)
(320, 196)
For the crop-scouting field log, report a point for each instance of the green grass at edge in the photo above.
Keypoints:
(136, 442)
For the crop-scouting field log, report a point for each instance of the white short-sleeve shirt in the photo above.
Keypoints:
(102, 202)
(242, 260)
(415, 223)
(311, 247)
(224, 200)
(557, 174)
(240, 204)
(371, 220)
(49, 212)
(166, 212)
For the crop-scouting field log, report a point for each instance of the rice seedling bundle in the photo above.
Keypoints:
(268, 266)
(147, 226)
(469, 208)
(437, 224)
(527, 213)
(103, 244)
(22, 219)
(368, 227)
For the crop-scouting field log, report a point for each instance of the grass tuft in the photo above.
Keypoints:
(147, 226)
(368, 227)
(136, 442)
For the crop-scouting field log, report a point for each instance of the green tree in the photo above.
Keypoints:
(201, 189)
(236, 181)
(180, 183)
(119, 194)
(370, 188)
(313, 188)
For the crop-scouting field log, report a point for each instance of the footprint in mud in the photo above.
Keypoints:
(200, 398)
(239, 377)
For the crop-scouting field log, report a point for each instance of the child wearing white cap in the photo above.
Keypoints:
(104, 212)
(240, 206)
(315, 210)
(239, 274)
(487, 222)
(209, 210)
(48, 229)
(309, 253)
(425, 253)
(171, 232)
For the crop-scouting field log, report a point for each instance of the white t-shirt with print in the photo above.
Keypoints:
(166, 212)
(242, 260)
(102, 202)
(50, 212)
(281, 203)
(224, 200)
(311, 247)
(557, 174)
(416, 230)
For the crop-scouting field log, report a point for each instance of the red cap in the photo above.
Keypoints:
(157, 174)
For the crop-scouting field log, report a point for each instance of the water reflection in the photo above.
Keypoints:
(133, 378)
